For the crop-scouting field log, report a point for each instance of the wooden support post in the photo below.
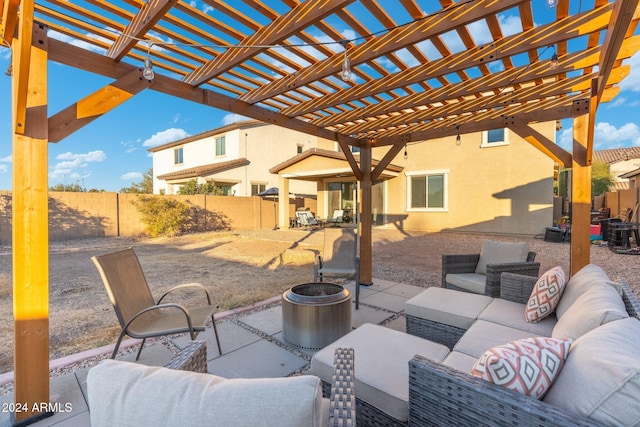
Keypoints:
(283, 203)
(581, 187)
(30, 233)
(366, 216)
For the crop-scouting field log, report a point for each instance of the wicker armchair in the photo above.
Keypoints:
(460, 264)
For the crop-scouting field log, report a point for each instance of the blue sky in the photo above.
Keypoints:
(111, 152)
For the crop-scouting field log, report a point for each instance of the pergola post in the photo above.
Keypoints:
(283, 203)
(366, 226)
(581, 187)
(30, 223)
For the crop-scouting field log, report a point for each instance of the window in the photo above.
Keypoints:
(427, 190)
(299, 149)
(257, 188)
(178, 154)
(494, 138)
(220, 146)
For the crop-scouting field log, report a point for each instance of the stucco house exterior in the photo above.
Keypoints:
(236, 158)
(621, 161)
(487, 182)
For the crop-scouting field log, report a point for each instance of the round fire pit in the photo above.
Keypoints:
(315, 314)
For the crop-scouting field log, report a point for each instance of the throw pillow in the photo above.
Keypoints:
(545, 295)
(500, 252)
(528, 366)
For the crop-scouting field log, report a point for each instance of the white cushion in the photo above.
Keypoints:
(509, 313)
(483, 335)
(500, 252)
(459, 361)
(382, 366)
(128, 394)
(599, 304)
(472, 282)
(578, 284)
(601, 376)
(447, 306)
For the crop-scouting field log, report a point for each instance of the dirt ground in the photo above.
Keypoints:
(240, 268)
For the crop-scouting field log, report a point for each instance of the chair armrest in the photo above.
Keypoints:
(193, 357)
(343, 397)
(454, 398)
(516, 287)
(495, 270)
(458, 263)
(187, 286)
(316, 267)
(182, 308)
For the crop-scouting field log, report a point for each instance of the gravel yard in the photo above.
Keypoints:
(240, 268)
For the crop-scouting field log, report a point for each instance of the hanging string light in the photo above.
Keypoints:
(458, 139)
(147, 72)
(554, 60)
(406, 155)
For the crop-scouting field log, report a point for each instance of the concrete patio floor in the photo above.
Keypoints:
(252, 346)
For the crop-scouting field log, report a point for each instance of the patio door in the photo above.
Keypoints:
(344, 195)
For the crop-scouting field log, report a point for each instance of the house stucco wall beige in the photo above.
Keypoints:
(503, 189)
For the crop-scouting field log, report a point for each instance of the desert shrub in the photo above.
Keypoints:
(163, 216)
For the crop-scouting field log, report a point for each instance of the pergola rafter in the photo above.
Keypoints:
(417, 70)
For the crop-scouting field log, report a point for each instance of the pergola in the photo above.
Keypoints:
(364, 73)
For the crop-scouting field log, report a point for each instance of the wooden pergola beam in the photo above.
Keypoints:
(30, 233)
(95, 105)
(279, 29)
(9, 19)
(81, 59)
(390, 42)
(23, 55)
(149, 14)
(541, 142)
(538, 37)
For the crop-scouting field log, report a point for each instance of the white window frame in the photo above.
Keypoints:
(224, 145)
(426, 173)
(485, 139)
(175, 156)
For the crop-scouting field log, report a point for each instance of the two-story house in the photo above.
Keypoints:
(235, 158)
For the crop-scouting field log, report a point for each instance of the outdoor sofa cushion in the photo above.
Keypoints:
(129, 394)
(446, 306)
(602, 373)
(472, 282)
(578, 284)
(500, 252)
(597, 305)
(483, 335)
(382, 371)
(509, 313)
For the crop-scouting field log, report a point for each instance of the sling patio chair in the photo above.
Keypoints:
(339, 257)
(139, 315)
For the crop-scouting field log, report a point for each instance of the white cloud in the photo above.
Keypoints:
(632, 81)
(79, 43)
(67, 168)
(165, 136)
(131, 176)
(606, 136)
(176, 118)
(7, 159)
(233, 118)
(4, 169)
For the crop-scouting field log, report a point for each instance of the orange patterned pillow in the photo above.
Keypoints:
(528, 366)
(545, 295)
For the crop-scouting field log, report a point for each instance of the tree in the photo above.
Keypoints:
(192, 187)
(162, 215)
(77, 188)
(143, 187)
(601, 177)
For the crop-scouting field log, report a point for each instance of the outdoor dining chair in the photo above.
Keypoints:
(339, 257)
(139, 315)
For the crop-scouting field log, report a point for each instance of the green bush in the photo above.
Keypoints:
(162, 215)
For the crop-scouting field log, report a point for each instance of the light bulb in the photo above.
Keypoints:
(406, 155)
(345, 74)
(552, 3)
(554, 61)
(147, 72)
(458, 139)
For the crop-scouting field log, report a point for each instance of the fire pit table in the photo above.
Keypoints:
(315, 314)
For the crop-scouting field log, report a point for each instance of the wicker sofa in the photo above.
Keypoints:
(437, 388)
(599, 315)
(129, 394)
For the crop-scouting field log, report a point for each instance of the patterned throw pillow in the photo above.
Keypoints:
(545, 295)
(528, 366)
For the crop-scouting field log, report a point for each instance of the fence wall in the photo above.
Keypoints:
(83, 215)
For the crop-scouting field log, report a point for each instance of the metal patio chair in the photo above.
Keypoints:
(339, 257)
(139, 315)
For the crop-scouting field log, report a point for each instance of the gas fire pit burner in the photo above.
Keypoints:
(315, 314)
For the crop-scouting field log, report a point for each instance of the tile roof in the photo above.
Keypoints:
(205, 169)
(615, 155)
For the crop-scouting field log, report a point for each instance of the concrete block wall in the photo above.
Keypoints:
(83, 215)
